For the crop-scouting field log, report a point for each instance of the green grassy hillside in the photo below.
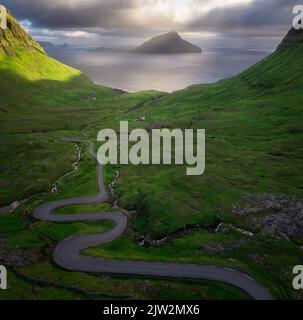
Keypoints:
(40, 100)
(254, 146)
(29, 77)
(15, 37)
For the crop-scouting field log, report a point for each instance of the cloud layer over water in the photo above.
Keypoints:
(121, 17)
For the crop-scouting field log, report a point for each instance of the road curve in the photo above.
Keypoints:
(68, 254)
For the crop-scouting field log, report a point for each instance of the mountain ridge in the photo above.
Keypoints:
(253, 126)
(15, 37)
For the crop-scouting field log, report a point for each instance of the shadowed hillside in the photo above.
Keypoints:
(292, 40)
(40, 96)
(253, 118)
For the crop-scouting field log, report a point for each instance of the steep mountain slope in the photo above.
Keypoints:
(257, 114)
(41, 96)
(169, 43)
(254, 146)
(15, 37)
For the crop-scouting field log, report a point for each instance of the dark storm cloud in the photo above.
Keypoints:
(72, 14)
(256, 17)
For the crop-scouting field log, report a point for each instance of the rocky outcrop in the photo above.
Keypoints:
(282, 215)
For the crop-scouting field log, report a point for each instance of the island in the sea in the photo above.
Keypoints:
(169, 43)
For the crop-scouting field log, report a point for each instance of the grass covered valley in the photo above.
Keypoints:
(244, 213)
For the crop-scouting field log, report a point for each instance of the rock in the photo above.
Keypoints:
(285, 216)
(11, 207)
(292, 39)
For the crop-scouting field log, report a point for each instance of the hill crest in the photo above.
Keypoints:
(293, 39)
(15, 37)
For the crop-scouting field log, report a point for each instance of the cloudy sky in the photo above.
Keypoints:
(127, 22)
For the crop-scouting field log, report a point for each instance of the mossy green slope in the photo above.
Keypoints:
(28, 76)
(41, 97)
(254, 144)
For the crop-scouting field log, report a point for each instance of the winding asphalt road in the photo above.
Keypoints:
(68, 253)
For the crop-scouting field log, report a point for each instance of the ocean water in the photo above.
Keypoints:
(135, 72)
